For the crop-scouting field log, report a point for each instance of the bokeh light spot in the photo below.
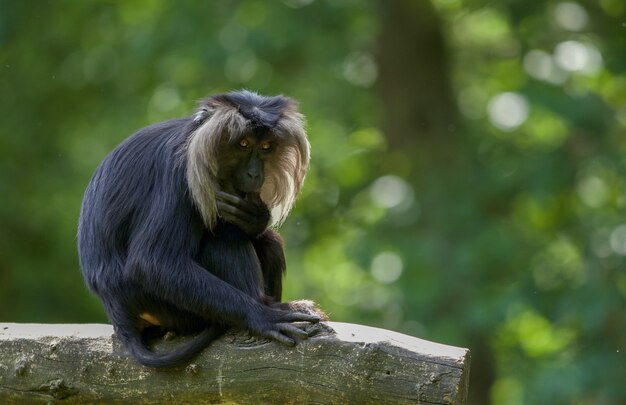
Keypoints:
(507, 111)
(575, 56)
(390, 191)
(571, 16)
(387, 267)
(618, 240)
(360, 69)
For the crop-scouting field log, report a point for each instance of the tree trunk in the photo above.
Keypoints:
(341, 364)
(414, 82)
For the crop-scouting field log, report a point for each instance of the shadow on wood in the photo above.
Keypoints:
(340, 364)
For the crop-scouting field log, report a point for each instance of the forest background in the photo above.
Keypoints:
(468, 169)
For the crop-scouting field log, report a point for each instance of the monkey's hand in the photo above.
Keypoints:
(277, 324)
(250, 214)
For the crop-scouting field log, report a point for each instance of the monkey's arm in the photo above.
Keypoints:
(160, 260)
(192, 288)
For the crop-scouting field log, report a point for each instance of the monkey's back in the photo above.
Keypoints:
(126, 189)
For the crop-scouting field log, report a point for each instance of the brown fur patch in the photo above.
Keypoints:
(307, 307)
(146, 319)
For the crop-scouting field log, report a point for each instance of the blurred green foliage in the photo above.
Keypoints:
(513, 246)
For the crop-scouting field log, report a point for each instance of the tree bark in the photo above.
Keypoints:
(341, 364)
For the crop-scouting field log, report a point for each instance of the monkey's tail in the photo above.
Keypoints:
(135, 345)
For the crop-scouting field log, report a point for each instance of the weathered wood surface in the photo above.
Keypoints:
(342, 364)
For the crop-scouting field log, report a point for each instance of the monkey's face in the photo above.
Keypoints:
(243, 164)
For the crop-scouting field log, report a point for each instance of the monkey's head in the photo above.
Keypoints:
(247, 144)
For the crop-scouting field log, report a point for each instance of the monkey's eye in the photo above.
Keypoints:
(244, 142)
(265, 146)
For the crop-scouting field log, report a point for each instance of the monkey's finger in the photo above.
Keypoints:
(225, 214)
(300, 317)
(254, 199)
(231, 219)
(234, 212)
(224, 208)
(276, 335)
(233, 209)
(236, 201)
(251, 204)
(228, 198)
(293, 331)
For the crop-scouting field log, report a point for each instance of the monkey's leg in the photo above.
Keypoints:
(269, 250)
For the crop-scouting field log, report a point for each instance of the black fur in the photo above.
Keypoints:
(263, 112)
(143, 246)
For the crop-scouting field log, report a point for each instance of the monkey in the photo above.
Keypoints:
(177, 226)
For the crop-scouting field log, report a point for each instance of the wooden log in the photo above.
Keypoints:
(340, 364)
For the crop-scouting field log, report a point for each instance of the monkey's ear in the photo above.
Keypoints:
(204, 112)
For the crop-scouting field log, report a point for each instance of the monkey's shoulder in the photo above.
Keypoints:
(151, 147)
(171, 132)
(144, 162)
